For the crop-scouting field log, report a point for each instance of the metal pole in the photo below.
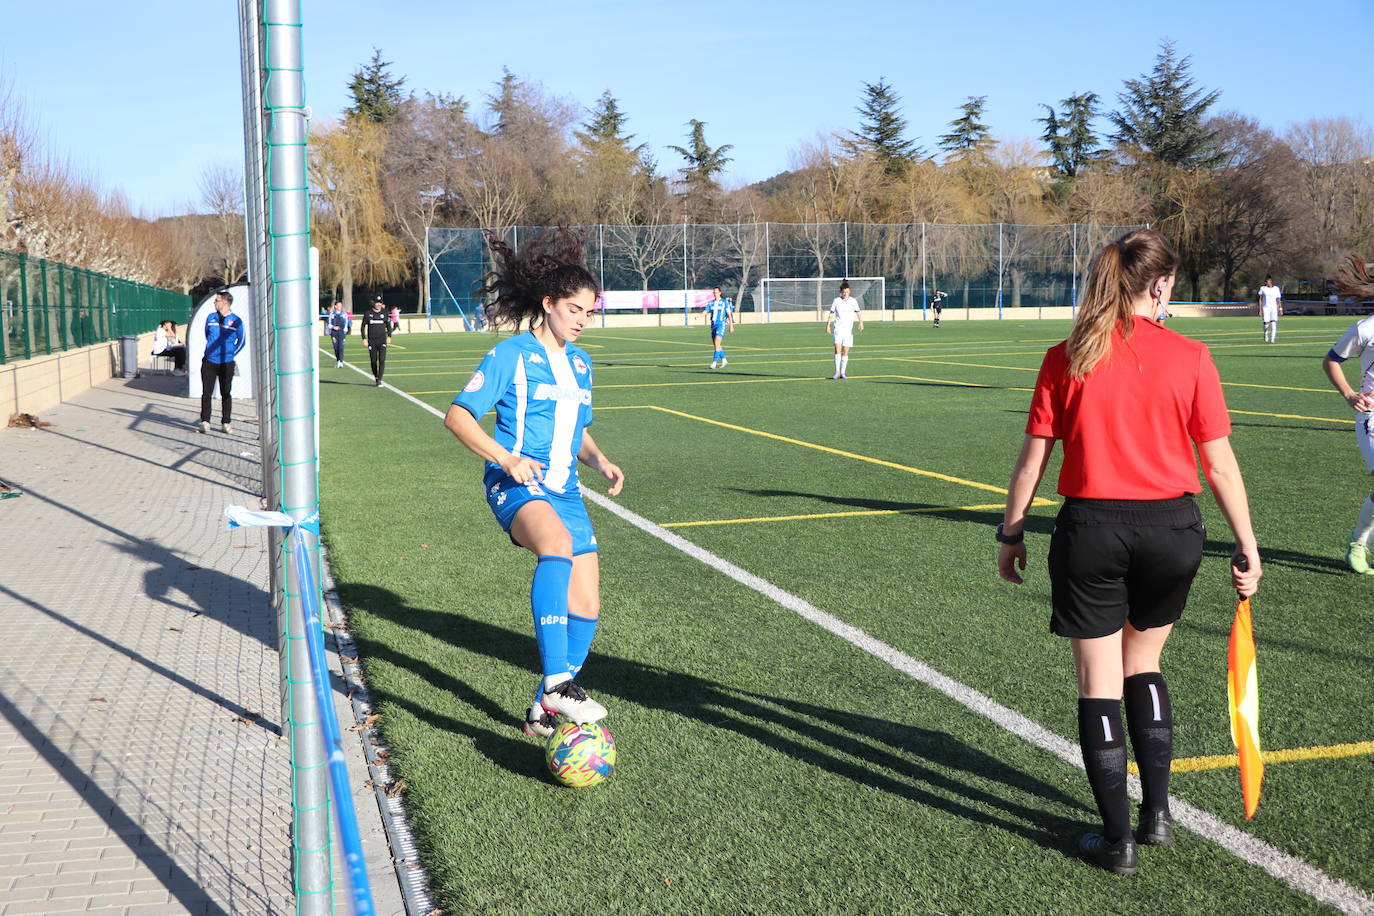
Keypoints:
(685, 294)
(1073, 298)
(923, 271)
(999, 270)
(288, 225)
(846, 248)
(601, 263)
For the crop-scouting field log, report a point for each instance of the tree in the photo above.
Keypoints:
(350, 220)
(376, 93)
(609, 168)
(1072, 141)
(703, 163)
(1336, 164)
(1163, 114)
(969, 139)
(222, 196)
(880, 132)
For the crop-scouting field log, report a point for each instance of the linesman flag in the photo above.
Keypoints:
(1242, 690)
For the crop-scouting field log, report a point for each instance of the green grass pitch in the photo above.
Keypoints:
(766, 766)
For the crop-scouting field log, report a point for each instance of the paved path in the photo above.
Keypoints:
(140, 765)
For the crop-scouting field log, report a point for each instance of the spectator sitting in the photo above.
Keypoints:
(165, 343)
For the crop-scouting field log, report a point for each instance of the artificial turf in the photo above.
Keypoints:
(765, 764)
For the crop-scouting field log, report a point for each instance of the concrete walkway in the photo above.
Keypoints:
(141, 768)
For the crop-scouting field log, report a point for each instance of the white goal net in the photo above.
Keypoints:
(777, 294)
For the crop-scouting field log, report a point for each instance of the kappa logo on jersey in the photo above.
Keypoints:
(536, 359)
(580, 365)
(500, 499)
(476, 382)
(546, 392)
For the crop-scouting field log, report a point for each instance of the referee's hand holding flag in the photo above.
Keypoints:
(1242, 686)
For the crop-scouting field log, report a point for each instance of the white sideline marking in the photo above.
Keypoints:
(1289, 869)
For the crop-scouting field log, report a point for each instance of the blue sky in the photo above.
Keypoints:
(143, 96)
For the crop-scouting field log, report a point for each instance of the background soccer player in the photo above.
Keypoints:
(720, 314)
(1130, 400)
(937, 303)
(1358, 340)
(1271, 307)
(540, 384)
(840, 324)
(376, 331)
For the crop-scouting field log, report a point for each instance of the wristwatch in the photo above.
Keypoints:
(1008, 538)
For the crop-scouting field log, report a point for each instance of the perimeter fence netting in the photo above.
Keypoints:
(994, 265)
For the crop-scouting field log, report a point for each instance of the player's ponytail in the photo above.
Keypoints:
(1120, 271)
(1355, 279)
(550, 264)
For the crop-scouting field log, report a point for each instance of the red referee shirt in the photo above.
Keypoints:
(1128, 428)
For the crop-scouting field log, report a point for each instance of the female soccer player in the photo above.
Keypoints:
(540, 384)
(1271, 307)
(719, 313)
(840, 324)
(1358, 340)
(1129, 399)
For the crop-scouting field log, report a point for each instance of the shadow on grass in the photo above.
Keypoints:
(919, 764)
(1041, 524)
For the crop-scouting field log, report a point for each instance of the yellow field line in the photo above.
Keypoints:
(1288, 416)
(1039, 501)
(1222, 761)
(833, 451)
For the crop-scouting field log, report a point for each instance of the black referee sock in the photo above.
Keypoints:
(1150, 718)
(1104, 756)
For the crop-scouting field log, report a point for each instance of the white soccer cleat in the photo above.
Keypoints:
(203, 426)
(539, 723)
(724, 363)
(226, 428)
(1357, 557)
(713, 364)
(569, 699)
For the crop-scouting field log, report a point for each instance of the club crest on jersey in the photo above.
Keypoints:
(579, 364)
(476, 382)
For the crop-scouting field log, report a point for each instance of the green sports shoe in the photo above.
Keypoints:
(1357, 557)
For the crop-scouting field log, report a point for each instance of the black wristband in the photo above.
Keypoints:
(1009, 538)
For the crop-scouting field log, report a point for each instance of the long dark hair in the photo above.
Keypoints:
(1120, 271)
(550, 264)
(1355, 279)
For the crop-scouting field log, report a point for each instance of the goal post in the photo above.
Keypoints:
(814, 294)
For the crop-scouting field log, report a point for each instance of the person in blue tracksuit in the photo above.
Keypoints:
(540, 385)
(223, 341)
(720, 314)
(338, 324)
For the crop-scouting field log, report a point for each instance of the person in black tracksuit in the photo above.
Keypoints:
(376, 330)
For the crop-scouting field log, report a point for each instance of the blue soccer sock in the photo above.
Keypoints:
(581, 632)
(549, 604)
(720, 354)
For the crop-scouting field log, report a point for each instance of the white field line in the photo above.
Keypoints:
(1289, 869)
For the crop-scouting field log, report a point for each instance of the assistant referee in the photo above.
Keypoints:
(1129, 399)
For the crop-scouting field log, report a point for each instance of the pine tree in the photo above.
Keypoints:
(703, 162)
(376, 93)
(602, 132)
(505, 101)
(968, 138)
(1164, 114)
(1072, 141)
(880, 132)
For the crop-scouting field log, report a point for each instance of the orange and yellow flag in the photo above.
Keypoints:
(1242, 689)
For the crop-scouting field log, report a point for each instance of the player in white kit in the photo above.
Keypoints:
(1271, 307)
(844, 310)
(1358, 340)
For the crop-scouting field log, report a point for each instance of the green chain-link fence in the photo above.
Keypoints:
(47, 307)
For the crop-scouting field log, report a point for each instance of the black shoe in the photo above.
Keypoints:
(379, 383)
(1156, 828)
(1119, 858)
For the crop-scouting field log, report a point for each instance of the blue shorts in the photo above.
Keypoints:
(505, 497)
(717, 330)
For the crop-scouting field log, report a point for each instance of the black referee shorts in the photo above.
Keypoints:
(1117, 560)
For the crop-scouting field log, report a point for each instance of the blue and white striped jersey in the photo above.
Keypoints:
(543, 402)
(719, 310)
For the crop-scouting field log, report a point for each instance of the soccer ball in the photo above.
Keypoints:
(580, 755)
